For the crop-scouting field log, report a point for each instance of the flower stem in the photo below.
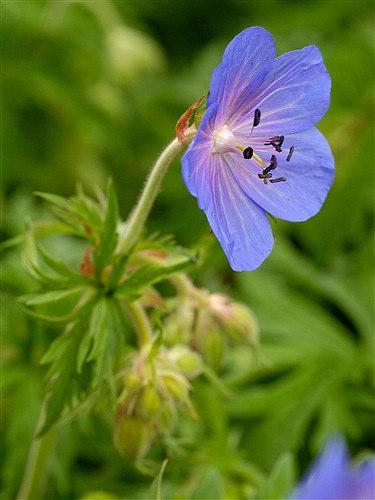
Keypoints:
(35, 474)
(140, 322)
(138, 217)
(183, 284)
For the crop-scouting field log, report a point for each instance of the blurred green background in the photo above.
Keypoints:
(94, 89)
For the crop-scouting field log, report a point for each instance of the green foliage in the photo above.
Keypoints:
(313, 366)
(281, 480)
(87, 95)
(107, 235)
(152, 273)
(83, 359)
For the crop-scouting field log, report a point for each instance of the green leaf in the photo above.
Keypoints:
(59, 266)
(210, 486)
(151, 273)
(155, 491)
(117, 270)
(35, 299)
(80, 212)
(63, 379)
(108, 232)
(281, 480)
(39, 299)
(31, 259)
(11, 242)
(55, 199)
(100, 344)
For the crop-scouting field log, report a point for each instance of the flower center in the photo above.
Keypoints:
(224, 140)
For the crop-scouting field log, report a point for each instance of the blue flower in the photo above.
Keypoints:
(256, 150)
(332, 478)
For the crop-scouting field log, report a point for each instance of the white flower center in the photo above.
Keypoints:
(224, 140)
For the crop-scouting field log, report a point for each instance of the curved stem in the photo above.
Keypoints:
(138, 217)
(183, 284)
(140, 322)
(35, 474)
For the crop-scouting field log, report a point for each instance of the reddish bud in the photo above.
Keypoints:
(187, 125)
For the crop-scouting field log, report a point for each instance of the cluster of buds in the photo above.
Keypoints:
(208, 321)
(197, 326)
(155, 386)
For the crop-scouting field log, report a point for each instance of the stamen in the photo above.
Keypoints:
(279, 144)
(248, 153)
(275, 138)
(259, 160)
(279, 179)
(265, 177)
(256, 117)
(291, 150)
(276, 142)
(272, 165)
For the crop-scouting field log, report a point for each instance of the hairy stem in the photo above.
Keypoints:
(35, 473)
(140, 322)
(138, 217)
(183, 284)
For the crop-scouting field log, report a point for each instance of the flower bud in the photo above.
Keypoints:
(188, 361)
(132, 436)
(176, 385)
(132, 380)
(236, 318)
(188, 123)
(150, 402)
(213, 349)
(167, 417)
(179, 324)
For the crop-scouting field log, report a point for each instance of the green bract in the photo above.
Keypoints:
(92, 300)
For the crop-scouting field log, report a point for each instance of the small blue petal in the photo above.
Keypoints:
(239, 224)
(246, 62)
(294, 96)
(196, 158)
(309, 175)
(363, 483)
(332, 478)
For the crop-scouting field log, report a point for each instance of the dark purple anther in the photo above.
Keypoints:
(271, 140)
(272, 165)
(276, 142)
(291, 150)
(256, 118)
(279, 179)
(265, 175)
(248, 153)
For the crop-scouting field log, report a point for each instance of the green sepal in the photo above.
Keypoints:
(151, 273)
(107, 234)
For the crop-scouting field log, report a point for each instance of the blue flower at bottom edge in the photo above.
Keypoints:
(332, 478)
(256, 150)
